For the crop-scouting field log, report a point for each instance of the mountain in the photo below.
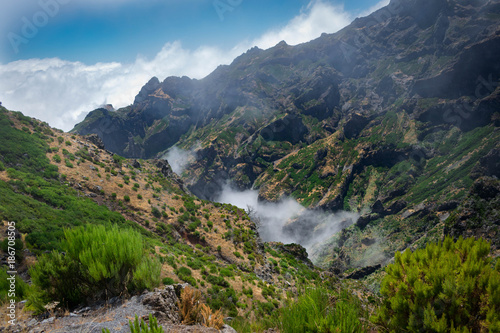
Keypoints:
(395, 117)
(51, 181)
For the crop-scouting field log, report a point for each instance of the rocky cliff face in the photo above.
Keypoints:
(389, 117)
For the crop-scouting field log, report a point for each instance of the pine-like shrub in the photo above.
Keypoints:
(317, 311)
(446, 287)
(147, 275)
(98, 262)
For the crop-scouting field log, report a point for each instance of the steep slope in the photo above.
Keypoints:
(50, 180)
(391, 117)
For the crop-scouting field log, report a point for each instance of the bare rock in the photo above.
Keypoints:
(164, 304)
(95, 139)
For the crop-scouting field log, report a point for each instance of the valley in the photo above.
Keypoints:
(357, 174)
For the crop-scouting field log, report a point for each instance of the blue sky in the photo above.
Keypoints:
(60, 59)
(118, 30)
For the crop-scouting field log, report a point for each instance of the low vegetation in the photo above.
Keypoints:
(97, 263)
(446, 287)
(115, 228)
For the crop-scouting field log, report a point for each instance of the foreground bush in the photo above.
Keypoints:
(446, 287)
(317, 311)
(98, 262)
(139, 326)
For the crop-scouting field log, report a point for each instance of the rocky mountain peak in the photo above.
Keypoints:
(150, 87)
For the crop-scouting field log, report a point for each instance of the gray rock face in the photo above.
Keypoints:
(164, 304)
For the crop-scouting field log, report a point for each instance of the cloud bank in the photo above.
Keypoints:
(62, 92)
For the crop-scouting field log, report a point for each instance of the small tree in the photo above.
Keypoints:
(446, 287)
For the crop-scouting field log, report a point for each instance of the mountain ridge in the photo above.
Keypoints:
(387, 117)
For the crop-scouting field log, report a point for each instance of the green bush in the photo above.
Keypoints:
(126, 198)
(142, 327)
(184, 271)
(168, 281)
(98, 262)
(156, 212)
(446, 287)
(57, 158)
(315, 312)
(139, 326)
(147, 275)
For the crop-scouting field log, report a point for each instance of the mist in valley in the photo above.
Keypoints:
(287, 221)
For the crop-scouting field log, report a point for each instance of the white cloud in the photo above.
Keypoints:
(179, 158)
(62, 92)
(317, 18)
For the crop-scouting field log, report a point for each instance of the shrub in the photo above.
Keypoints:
(184, 271)
(446, 287)
(139, 196)
(190, 306)
(194, 264)
(226, 272)
(141, 327)
(156, 212)
(314, 312)
(147, 274)
(217, 280)
(126, 198)
(168, 281)
(102, 260)
(223, 297)
(56, 158)
(209, 319)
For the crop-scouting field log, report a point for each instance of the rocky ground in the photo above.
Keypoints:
(115, 316)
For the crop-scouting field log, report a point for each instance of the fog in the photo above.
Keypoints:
(287, 221)
(179, 158)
